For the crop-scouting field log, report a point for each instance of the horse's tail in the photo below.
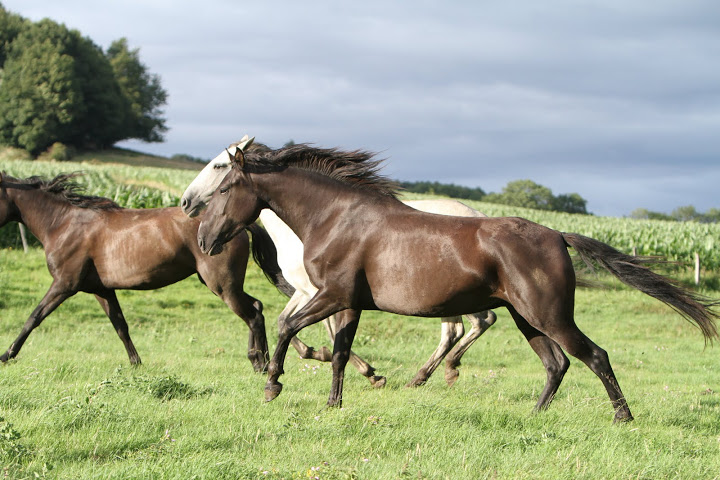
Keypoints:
(265, 255)
(633, 272)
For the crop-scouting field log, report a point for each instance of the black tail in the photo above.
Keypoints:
(265, 255)
(633, 272)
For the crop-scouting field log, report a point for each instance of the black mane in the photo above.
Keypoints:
(65, 188)
(357, 168)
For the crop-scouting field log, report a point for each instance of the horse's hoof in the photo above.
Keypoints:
(4, 357)
(414, 383)
(272, 391)
(621, 417)
(334, 403)
(377, 381)
(451, 377)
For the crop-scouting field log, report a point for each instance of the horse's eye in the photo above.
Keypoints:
(220, 165)
(224, 190)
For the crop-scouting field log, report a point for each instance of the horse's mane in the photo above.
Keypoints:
(64, 187)
(357, 168)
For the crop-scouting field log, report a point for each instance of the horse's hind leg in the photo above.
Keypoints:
(480, 323)
(451, 330)
(54, 297)
(580, 346)
(365, 369)
(109, 303)
(562, 329)
(551, 355)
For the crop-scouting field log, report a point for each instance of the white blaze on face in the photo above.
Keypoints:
(198, 193)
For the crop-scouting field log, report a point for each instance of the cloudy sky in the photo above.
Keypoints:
(616, 100)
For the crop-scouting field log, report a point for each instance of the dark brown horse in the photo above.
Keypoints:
(93, 245)
(366, 250)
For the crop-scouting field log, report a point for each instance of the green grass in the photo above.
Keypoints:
(72, 407)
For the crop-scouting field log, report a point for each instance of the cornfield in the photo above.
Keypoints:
(675, 241)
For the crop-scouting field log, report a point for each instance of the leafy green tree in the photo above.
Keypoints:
(58, 87)
(39, 98)
(712, 215)
(685, 214)
(645, 214)
(570, 203)
(524, 193)
(142, 91)
(105, 110)
(10, 26)
(640, 214)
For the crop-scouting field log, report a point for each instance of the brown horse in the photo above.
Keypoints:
(366, 250)
(93, 245)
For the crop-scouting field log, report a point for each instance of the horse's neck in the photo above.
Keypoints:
(39, 212)
(302, 200)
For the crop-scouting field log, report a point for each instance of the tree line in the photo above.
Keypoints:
(58, 86)
(518, 193)
(681, 214)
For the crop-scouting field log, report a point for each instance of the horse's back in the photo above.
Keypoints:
(444, 206)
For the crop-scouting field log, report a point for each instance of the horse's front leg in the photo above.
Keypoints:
(346, 327)
(52, 299)
(318, 308)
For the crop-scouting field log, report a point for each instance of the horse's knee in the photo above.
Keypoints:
(489, 318)
(599, 360)
(482, 320)
(558, 368)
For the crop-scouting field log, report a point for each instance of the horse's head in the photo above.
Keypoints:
(232, 206)
(198, 193)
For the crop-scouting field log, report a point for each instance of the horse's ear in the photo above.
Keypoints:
(245, 142)
(239, 158)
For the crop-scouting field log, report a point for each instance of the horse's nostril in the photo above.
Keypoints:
(184, 203)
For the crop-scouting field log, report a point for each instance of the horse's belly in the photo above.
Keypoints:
(427, 279)
(443, 292)
(430, 303)
(146, 278)
(146, 267)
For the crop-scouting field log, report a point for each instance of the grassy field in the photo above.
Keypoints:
(72, 407)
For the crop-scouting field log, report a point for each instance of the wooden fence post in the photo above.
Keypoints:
(23, 237)
(697, 268)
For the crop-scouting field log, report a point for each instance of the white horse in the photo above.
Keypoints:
(290, 259)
